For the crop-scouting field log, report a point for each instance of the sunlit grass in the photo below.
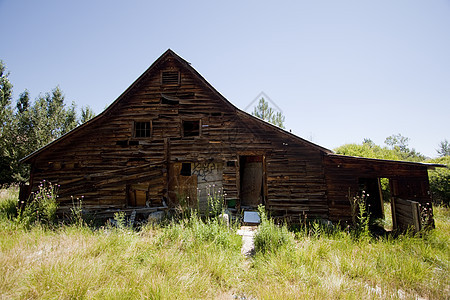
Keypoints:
(195, 259)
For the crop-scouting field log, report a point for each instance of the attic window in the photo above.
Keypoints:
(170, 77)
(142, 129)
(191, 128)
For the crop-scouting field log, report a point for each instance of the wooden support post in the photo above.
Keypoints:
(167, 165)
(394, 213)
(415, 209)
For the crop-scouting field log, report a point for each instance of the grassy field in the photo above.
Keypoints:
(192, 259)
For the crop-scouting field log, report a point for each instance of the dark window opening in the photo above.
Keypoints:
(132, 159)
(142, 129)
(186, 169)
(166, 100)
(170, 77)
(231, 163)
(191, 128)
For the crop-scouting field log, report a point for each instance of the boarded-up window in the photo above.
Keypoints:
(191, 128)
(137, 194)
(142, 129)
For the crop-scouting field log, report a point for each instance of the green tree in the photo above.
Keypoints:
(50, 119)
(86, 114)
(23, 141)
(30, 126)
(440, 181)
(6, 129)
(267, 113)
(5, 95)
(444, 149)
(397, 140)
(399, 143)
(397, 149)
(367, 149)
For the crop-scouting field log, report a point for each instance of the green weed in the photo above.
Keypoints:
(216, 200)
(41, 207)
(8, 203)
(271, 237)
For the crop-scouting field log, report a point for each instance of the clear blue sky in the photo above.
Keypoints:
(340, 71)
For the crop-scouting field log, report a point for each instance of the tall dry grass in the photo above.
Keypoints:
(198, 259)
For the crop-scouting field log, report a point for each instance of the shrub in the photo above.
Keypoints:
(440, 181)
(42, 205)
(270, 237)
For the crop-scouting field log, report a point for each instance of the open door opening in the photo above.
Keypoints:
(374, 200)
(251, 180)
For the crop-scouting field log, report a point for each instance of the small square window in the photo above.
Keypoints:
(191, 128)
(142, 129)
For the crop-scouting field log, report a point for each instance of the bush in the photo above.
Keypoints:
(440, 181)
(42, 205)
(270, 237)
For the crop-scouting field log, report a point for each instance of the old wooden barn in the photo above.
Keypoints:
(171, 139)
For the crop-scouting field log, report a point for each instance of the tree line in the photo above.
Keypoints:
(26, 125)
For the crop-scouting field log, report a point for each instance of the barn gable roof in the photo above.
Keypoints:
(154, 67)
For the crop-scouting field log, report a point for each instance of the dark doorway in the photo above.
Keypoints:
(251, 180)
(374, 200)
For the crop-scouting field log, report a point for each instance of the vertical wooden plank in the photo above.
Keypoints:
(394, 213)
(415, 210)
(380, 192)
(238, 180)
(167, 165)
(265, 188)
